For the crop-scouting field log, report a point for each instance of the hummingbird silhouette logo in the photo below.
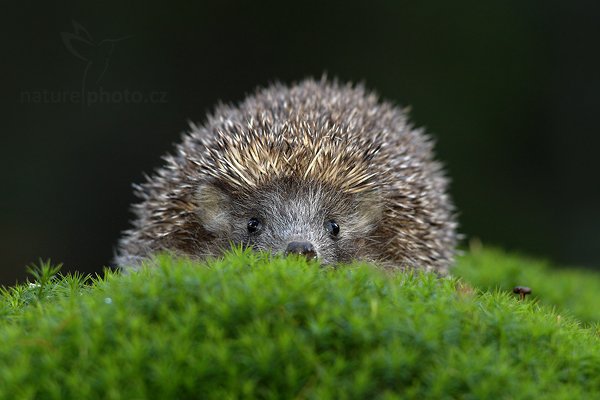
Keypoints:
(96, 55)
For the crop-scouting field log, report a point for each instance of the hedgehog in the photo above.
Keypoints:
(319, 169)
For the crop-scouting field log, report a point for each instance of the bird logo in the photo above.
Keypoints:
(95, 55)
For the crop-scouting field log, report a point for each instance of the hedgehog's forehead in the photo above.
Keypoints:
(254, 158)
(295, 191)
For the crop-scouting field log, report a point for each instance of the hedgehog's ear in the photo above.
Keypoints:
(214, 209)
(369, 209)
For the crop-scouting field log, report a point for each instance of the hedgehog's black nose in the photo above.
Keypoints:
(302, 248)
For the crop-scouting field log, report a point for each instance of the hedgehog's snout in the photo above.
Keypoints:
(301, 248)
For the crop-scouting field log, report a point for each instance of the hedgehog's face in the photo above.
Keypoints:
(290, 217)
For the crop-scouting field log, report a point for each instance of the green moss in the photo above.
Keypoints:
(254, 326)
(571, 291)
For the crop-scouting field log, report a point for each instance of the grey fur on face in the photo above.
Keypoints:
(288, 211)
(317, 169)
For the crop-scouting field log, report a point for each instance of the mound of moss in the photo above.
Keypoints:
(253, 326)
(571, 291)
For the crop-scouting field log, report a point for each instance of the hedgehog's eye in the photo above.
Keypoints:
(332, 227)
(254, 225)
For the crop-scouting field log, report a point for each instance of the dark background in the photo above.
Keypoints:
(508, 88)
